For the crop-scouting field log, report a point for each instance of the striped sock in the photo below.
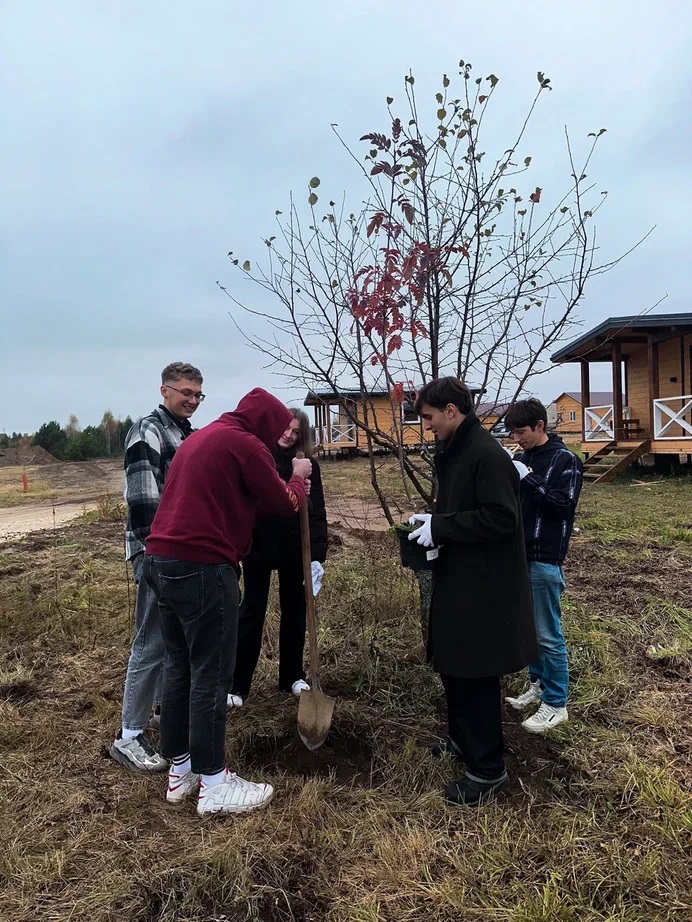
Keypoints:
(181, 765)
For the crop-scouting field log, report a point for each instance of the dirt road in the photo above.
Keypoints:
(16, 522)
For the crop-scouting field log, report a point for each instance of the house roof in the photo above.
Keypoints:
(631, 331)
(313, 398)
(596, 398)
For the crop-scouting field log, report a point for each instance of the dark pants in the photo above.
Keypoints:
(199, 620)
(474, 713)
(256, 580)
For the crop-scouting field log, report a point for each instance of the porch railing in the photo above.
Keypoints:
(666, 417)
(344, 435)
(598, 424)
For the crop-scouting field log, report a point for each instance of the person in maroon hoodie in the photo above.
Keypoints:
(201, 532)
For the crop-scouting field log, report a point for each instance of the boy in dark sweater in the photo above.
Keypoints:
(201, 532)
(551, 480)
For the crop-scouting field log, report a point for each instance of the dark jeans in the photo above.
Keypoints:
(474, 713)
(256, 580)
(199, 619)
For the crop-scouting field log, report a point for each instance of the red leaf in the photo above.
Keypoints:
(536, 196)
(398, 393)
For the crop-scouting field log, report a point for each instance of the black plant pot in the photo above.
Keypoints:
(414, 555)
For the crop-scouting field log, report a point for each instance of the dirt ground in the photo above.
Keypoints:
(595, 824)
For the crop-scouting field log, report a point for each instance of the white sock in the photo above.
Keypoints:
(209, 781)
(128, 734)
(181, 765)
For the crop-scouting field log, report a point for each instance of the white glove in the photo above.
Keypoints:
(422, 535)
(522, 469)
(317, 573)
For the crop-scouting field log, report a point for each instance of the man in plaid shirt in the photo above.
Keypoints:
(151, 443)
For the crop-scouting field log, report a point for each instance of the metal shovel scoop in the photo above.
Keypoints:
(315, 708)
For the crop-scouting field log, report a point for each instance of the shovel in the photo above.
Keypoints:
(315, 708)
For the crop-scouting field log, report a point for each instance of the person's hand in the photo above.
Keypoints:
(317, 571)
(302, 467)
(422, 535)
(522, 469)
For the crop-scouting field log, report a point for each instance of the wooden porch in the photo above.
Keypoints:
(651, 373)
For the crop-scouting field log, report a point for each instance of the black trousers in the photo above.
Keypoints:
(199, 622)
(253, 610)
(474, 714)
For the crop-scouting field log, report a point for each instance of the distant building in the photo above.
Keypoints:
(566, 412)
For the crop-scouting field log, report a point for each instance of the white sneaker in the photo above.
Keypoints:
(181, 786)
(546, 718)
(299, 686)
(532, 695)
(234, 701)
(233, 795)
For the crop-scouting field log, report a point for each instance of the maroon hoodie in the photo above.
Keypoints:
(216, 479)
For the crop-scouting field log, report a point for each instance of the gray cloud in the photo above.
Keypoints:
(141, 142)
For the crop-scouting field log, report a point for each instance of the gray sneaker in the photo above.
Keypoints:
(138, 755)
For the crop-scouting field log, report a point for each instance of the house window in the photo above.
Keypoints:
(408, 413)
(573, 416)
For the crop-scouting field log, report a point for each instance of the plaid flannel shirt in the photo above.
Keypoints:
(149, 448)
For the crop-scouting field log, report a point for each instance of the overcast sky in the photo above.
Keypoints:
(141, 141)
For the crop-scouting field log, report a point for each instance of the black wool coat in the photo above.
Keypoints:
(276, 538)
(481, 618)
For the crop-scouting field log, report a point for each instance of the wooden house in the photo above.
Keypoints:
(568, 412)
(336, 416)
(650, 411)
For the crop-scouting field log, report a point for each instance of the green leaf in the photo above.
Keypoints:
(445, 81)
(246, 265)
(312, 199)
(314, 182)
(527, 161)
(442, 114)
(493, 80)
(390, 100)
(438, 97)
(278, 212)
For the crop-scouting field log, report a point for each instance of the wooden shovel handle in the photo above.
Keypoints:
(309, 597)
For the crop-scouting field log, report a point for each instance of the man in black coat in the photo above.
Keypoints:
(481, 619)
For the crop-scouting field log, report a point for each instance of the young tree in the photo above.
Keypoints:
(109, 427)
(455, 264)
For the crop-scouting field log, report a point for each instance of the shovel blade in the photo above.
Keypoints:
(314, 717)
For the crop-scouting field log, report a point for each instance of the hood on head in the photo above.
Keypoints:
(262, 414)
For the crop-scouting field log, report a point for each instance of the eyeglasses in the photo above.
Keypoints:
(188, 394)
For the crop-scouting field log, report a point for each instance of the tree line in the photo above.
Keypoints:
(72, 443)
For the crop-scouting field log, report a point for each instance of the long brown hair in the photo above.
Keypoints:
(304, 442)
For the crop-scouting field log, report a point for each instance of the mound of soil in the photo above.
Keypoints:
(29, 454)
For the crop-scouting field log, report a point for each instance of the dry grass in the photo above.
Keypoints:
(596, 825)
(12, 489)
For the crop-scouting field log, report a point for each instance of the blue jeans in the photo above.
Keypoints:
(199, 619)
(551, 669)
(145, 666)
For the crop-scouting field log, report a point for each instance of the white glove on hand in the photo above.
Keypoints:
(522, 468)
(422, 535)
(317, 573)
